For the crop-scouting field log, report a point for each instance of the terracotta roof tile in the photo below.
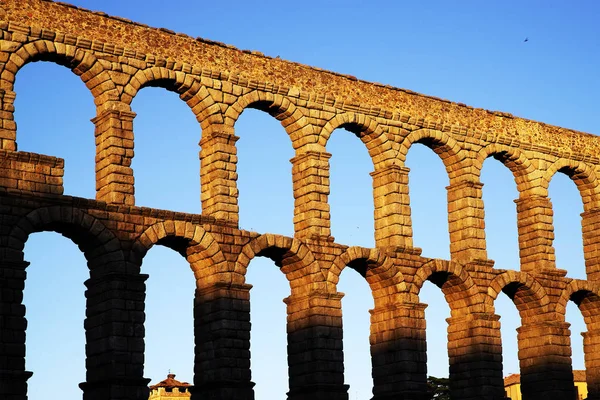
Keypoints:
(512, 379)
(170, 382)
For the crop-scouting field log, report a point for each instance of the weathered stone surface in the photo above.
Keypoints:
(115, 235)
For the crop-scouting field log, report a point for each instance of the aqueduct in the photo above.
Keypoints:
(115, 58)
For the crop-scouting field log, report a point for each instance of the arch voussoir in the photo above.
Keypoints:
(582, 175)
(81, 62)
(367, 130)
(524, 173)
(380, 272)
(291, 118)
(577, 290)
(95, 240)
(457, 285)
(201, 249)
(440, 142)
(293, 257)
(523, 289)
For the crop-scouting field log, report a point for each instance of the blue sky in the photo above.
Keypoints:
(469, 51)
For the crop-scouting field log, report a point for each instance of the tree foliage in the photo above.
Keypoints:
(438, 388)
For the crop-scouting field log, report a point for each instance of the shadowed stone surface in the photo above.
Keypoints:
(115, 58)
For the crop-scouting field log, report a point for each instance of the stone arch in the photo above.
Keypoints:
(83, 63)
(457, 285)
(367, 130)
(292, 119)
(198, 246)
(98, 243)
(524, 290)
(441, 143)
(521, 167)
(379, 271)
(296, 261)
(582, 175)
(188, 87)
(586, 295)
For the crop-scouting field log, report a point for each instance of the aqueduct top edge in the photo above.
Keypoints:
(301, 80)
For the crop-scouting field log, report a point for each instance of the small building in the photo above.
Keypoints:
(170, 389)
(512, 386)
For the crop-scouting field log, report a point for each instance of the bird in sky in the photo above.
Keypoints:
(526, 39)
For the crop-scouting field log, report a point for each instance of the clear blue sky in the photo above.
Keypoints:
(469, 51)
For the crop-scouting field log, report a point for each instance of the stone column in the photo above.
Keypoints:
(114, 330)
(536, 233)
(114, 153)
(466, 222)
(218, 164)
(8, 127)
(590, 226)
(393, 226)
(475, 353)
(13, 377)
(222, 332)
(315, 355)
(545, 360)
(399, 352)
(591, 349)
(310, 174)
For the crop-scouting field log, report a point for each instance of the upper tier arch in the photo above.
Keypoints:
(441, 143)
(291, 118)
(582, 175)
(514, 159)
(187, 86)
(83, 64)
(381, 149)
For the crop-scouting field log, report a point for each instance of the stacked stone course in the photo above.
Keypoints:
(116, 58)
(31, 172)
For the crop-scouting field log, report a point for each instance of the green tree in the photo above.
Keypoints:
(438, 388)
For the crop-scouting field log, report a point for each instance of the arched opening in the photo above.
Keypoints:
(574, 317)
(54, 298)
(582, 312)
(567, 207)
(436, 331)
(49, 105)
(268, 339)
(529, 373)
(166, 164)
(502, 240)
(356, 303)
(502, 237)
(473, 334)
(351, 189)
(510, 320)
(169, 308)
(428, 180)
(266, 199)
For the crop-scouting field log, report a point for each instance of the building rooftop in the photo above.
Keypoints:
(512, 379)
(170, 383)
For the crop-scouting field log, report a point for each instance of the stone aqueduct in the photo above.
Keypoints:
(115, 58)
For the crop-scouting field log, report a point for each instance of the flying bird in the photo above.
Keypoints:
(526, 40)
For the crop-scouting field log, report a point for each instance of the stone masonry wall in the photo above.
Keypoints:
(115, 58)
